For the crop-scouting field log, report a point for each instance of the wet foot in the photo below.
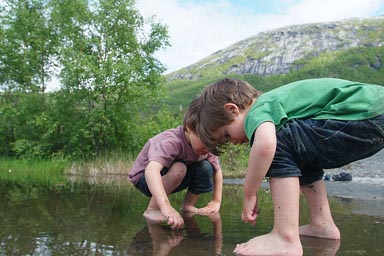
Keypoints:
(327, 232)
(270, 244)
(154, 216)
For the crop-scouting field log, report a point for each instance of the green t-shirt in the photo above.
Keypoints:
(323, 98)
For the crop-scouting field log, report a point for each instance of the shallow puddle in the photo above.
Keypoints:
(79, 219)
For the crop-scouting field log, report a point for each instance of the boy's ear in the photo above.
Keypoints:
(231, 107)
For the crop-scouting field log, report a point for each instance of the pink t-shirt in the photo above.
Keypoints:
(166, 148)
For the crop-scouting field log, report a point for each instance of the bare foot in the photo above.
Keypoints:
(154, 216)
(189, 208)
(325, 231)
(270, 244)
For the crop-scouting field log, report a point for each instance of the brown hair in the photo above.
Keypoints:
(213, 115)
(191, 117)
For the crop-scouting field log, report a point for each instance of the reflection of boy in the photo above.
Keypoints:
(199, 240)
(172, 161)
(295, 132)
(166, 241)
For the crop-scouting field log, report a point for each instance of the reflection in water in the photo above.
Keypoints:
(163, 240)
(194, 233)
(159, 239)
(108, 220)
(320, 247)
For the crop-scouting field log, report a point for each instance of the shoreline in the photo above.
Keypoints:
(364, 194)
(358, 188)
(367, 179)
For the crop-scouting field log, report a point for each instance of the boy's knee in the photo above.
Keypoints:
(201, 178)
(205, 168)
(177, 171)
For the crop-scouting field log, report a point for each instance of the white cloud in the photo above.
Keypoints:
(326, 10)
(195, 30)
(199, 28)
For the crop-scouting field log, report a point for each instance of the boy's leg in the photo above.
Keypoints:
(199, 181)
(190, 200)
(331, 144)
(171, 180)
(284, 239)
(322, 224)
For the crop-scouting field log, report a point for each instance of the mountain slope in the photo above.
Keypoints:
(287, 49)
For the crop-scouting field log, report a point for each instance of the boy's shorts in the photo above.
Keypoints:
(306, 147)
(198, 179)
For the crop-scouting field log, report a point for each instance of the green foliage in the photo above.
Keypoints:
(108, 69)
(27, 46)
(24, 124)
(234, 160)
(104, 52)
(181, 92)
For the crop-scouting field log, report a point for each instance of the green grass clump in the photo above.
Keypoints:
(48, 172)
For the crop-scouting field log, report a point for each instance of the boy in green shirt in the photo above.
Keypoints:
(295, 132)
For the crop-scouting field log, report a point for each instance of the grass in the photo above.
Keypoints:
(112, 168)
(100, 167)
(112, 163)
(233, 163)
(48, 172)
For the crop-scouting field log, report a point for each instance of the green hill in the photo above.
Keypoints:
(351, 49)
(358, 64)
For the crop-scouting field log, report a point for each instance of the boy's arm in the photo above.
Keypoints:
(155, 185)
(218, 186)
(260, 159)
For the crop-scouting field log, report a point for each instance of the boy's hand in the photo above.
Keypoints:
(212, 207)
(250, 210)
(174, 218)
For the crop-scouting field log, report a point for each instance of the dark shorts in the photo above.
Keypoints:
(198, 179)
(306, 147)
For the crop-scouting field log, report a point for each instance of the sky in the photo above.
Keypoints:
(198, 28)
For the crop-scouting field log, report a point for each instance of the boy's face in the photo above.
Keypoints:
(196, 143)
(234, 132)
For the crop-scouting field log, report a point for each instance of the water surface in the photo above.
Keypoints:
(81, 219)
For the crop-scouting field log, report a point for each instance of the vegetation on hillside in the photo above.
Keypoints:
(275, 51)
(363, 64)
